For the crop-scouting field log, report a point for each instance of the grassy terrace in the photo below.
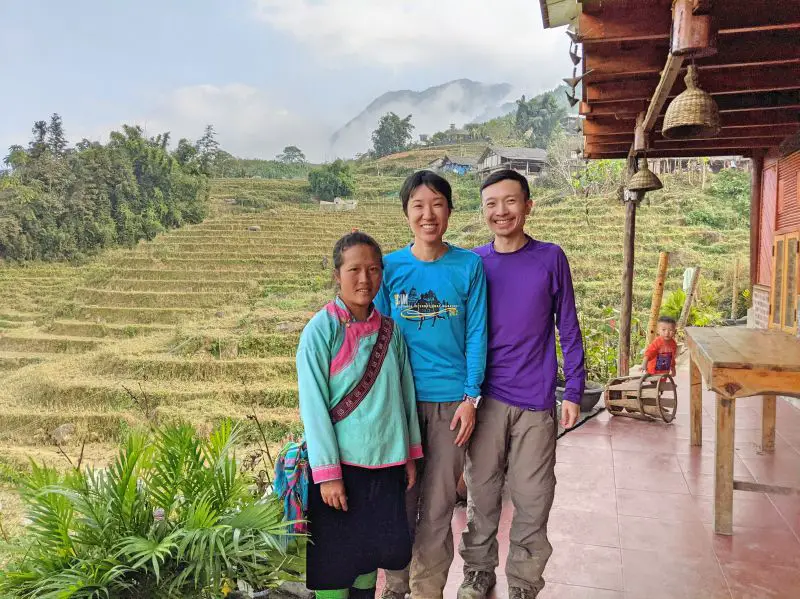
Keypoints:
(202, 323)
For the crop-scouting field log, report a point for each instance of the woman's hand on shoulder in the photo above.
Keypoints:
(333, 494)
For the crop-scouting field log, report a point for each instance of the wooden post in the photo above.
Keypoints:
(692, 33)
(768, 409)
(735, 288)
(695, 404)
(623, 362)
(755, 214)
(658, 295)
(723, 466)
(687, 305)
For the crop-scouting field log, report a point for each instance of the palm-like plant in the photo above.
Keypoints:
(172, 516)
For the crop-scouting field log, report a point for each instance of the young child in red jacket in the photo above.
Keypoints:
(661, 355)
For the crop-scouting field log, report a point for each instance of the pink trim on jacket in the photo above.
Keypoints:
(323, 474)
(415, 452)
(354, 331)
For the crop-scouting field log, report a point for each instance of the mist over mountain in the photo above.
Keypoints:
(461, 101)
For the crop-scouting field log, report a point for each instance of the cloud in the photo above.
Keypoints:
(502, 37)
(248, 121)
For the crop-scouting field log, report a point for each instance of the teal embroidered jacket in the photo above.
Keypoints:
(383, 430)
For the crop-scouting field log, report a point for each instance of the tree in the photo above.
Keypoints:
(560, 164)
(38, 144)
(56, 142)
(185, 153)
(207, 148)
(16, 157)
(331, 181)
(291, 155)
(538, 117)
(392, 135)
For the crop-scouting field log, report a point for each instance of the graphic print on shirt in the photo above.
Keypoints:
(664, 361)
(420, 308)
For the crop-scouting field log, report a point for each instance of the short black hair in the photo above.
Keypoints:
(668, 320)
(431, 180)
(351, 240)
(508, 175)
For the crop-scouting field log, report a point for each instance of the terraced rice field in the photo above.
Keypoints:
(202, 323)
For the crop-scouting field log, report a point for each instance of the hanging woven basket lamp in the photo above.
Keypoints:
(644, 179)
(693, 114)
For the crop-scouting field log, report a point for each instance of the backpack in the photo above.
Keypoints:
(291, 483)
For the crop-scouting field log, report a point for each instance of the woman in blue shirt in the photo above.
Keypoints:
(436, 294)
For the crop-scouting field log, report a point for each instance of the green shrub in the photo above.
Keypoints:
(332, 180)
(172, 516)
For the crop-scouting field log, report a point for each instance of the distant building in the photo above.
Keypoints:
(460, 165)
(530, 162)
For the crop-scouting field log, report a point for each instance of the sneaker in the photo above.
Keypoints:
(520, 593)
(389, 594)
(477, 584)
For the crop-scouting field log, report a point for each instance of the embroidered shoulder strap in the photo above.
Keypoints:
(351, 401)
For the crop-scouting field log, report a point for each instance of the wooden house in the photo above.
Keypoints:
(746, 55)
(530, 162)
(636, 62)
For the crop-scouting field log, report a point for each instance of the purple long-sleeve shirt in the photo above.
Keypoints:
(530, 294)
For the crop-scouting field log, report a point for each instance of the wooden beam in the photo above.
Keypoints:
(767, 120)
(649, 23)
(743, 485)
(631, 59)
(665, 84)
(749, 79)
(781, 100)
(699, 146)
(780, 131)
(661, 153)
(756, 173)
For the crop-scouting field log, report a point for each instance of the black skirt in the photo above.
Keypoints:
(373, 532)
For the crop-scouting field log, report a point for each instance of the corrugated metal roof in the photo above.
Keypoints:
(520, 153)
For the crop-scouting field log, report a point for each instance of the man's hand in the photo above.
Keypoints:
(411, 474)
(465, 415)
(333, 494)
(569, 413)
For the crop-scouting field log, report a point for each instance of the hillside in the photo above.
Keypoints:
(460, 102)
(202, 323)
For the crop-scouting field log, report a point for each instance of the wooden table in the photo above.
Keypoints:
(737, 362)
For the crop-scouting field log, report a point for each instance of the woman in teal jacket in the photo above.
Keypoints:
(360, 418)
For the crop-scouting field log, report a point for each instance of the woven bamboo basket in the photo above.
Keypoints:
(644, 180)
(693, 113)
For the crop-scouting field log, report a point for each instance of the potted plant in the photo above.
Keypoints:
(599, 361)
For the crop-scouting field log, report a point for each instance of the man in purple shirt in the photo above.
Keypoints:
(529, 295)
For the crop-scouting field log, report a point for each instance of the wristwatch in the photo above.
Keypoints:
(475, 401)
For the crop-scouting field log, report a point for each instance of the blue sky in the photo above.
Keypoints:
(267, 73)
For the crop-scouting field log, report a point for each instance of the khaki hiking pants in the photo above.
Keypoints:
(430, 505)
(518, 446)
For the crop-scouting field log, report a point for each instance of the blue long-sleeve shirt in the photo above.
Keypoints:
(530, 294)
(440, 307)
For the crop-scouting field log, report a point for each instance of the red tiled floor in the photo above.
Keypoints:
(589, 528)
(640, 479)
(765, 581)
(668, 507)
(633, 512)
(754, 510)
(657, 575)
(585, 565)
